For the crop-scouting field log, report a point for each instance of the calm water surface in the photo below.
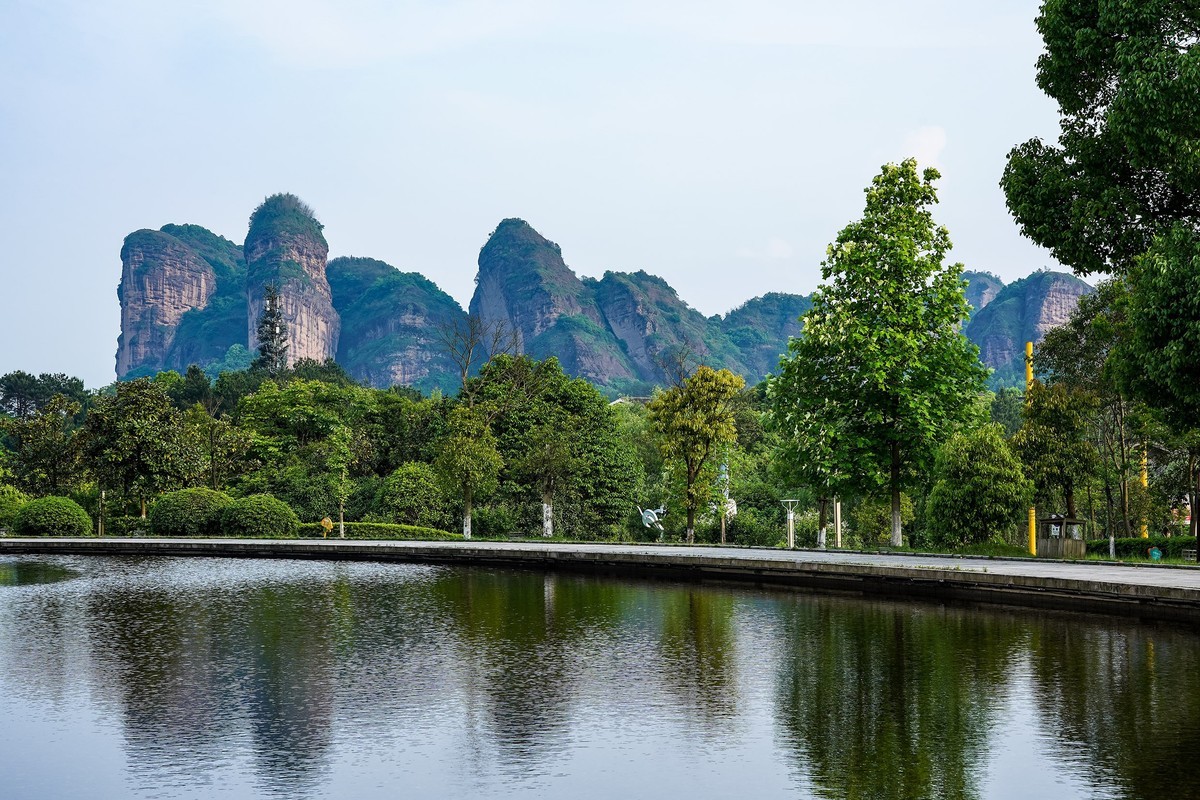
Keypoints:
(191, 678)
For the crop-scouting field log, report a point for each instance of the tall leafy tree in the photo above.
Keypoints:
(468, 462)
(1126, 166)
(1054, 444)
(135, 441)
(272, 334)
(882, 374)
(694, 419)
(45, 458)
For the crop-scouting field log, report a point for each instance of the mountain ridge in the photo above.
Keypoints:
(189, 295)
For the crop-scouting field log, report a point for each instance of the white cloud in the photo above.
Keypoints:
(926, 145)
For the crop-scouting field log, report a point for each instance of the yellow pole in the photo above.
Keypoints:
(1146, 487)
(1028, 388)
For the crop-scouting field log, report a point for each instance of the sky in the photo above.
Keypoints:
(721, 144)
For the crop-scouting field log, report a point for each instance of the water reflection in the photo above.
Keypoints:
(1122, 700)
(308, 679)
(886, 701)
(29, 573)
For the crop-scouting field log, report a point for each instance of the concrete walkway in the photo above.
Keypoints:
(1145, 591)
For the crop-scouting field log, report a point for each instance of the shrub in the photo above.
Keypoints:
(754, 529)
(11, 500)
(871, 520)
(978, 491)
(53, 516)
(189, 512)
(260, 516)
(1136, 547)
(411, 496)
(126, 526)
(383, 530)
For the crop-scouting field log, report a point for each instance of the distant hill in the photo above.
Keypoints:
(1022, 312)
(189, 296)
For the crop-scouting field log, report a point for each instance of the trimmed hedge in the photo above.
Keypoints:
(126, 526)
(11, 500)
(383, 530)
(260, 516)
(189, 513)
(52, 516)
(1171, 547)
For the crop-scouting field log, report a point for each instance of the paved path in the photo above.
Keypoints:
(1147, 591)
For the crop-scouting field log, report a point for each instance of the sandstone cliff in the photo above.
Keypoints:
(390, 325)
(285, 247)
(524, 284)
(187, 296)
(982, 288)
(179, 288)
(1022, 312)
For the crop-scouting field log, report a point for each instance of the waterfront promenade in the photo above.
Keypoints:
(1153, 592)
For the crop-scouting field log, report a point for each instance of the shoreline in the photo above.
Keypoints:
(1146, 592)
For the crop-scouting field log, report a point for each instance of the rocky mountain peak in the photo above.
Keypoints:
(285, 246)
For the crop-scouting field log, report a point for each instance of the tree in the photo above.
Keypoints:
(222, 447)
(272, 334)
(548, 464)
(22, 395)
(45, 459)
(1125, 168)
(1053, 441)
(978, 489)
(467, 461)
(135, 441)
(693, 419)
(882, 374)
(1157, 358)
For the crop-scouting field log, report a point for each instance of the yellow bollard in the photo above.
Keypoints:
(1028, 387)
(1146, 486)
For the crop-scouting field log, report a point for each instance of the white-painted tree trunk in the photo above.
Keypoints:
(547, 515)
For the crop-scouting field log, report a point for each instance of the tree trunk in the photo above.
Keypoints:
(467, 513)
(1069, 496)
(822, 506)
(341, 520)
(897, 533)
(722, 526)
(547, 514)
(143, 508)
(1193, 511)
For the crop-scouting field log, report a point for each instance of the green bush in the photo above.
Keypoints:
(754, 529)
(126, 526)
(259, 516)
(871, 519)
(11, 500)
(979, 490)
(383, 530)
(1136, 547)
(52, 516)
(189, 512)
(411, 496)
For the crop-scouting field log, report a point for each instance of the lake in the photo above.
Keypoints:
(198, 678)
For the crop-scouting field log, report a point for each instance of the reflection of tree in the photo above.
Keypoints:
(195, 668)
(1129, 696)
(290, 680)
(519, 636)
(883, 700)
(698, 649)
(157, 650)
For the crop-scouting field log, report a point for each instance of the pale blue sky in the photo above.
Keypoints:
(719, 144)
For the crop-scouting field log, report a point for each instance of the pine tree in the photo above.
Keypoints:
(272, 335)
